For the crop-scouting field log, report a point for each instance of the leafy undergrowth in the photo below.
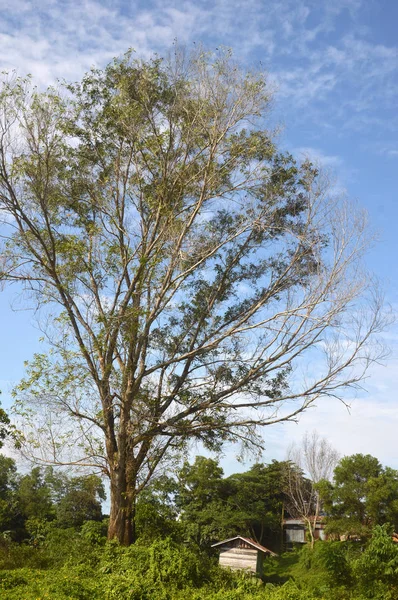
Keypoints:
(68, 584)
(72, 566)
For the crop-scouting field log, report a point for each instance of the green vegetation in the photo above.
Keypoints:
(54, 539)
(364, 494)
(73, 564)
(34, 503)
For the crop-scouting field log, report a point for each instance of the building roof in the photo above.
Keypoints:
(319, 520)
(248, 541)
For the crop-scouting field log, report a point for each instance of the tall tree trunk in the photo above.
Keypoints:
(122, 513)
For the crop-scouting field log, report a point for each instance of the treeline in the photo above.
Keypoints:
(199, 505)
(202, 506)
(53, 534)
(31, 502)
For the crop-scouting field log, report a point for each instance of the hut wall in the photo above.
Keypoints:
(239, 558)
(295, 534)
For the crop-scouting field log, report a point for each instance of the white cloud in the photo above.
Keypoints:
(319, 157)
(368, 427)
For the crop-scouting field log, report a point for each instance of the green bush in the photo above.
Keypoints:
(176, 565)
(11, 579)
(94, 532)
(376, 570)
(17, 556)
(323, 568)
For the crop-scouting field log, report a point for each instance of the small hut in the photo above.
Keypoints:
(242, 553)
(295, 531)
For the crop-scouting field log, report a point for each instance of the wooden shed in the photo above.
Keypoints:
(242, 553)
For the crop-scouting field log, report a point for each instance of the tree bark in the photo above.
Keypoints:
(311, 532)
(122, 514)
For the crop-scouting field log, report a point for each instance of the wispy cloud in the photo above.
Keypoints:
(310, 61)
(319, 157)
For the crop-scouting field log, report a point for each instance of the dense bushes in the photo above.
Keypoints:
(81, 565)
(72, 565)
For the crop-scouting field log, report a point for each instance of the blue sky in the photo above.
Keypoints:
(334, 66)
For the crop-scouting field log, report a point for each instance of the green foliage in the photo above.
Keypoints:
(95, 532)
(201, 497)
(166, 570)
(156, 512)
(81, 501)
(255, 499)
(323, 567)
(364, 494)
(4, 425)
(77, 563)
(30, 503)
(11, 520)
(377, 567)
(34, 496)
(15, 556)
(213, 507)
(175, 565)
(64, 584)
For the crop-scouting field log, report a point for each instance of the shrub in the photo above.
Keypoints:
(323, 568)
(94, 532)
(376, 570)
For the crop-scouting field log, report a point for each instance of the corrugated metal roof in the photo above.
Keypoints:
(248, 541)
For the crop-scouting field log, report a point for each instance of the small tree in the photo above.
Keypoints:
(316, 458)
(257, 499)
(10, 516)
(201, 499)
(185, 267)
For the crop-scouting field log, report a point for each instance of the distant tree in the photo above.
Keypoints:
(185, 263)
(310, 467)
(201, 499)
(377, 567)
(8, 471)
(156, 511)
(212, 507)
(257, 500)
(7, 429)
(81, 501)
(34, 496)
(363, 494)
(30, 502)
(10, 516)
(4, 426)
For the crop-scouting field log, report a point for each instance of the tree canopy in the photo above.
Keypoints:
(363, 494)
(195, 281)
(31, 502)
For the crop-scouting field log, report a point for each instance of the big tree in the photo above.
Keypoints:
(184, 266)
